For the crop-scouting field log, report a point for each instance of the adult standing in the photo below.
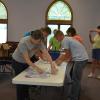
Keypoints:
(79, 58)
(95, 41)
(27, 47)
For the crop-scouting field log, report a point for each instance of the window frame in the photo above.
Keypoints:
(5, 21)
(58, 22)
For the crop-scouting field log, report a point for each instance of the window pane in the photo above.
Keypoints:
(3, 33)
(52, 29)
(59, 11)
(3, 13)
(64, 28)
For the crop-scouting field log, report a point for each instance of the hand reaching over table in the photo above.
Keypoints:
(39, 70)
(54, 68)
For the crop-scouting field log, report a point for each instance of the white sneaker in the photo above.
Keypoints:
(91, 75)
(98, 77)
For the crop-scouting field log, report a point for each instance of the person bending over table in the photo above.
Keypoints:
(27, 47)
(71, 31)
(46, 31)
(79, 59)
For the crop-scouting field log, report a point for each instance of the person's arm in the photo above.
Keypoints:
(50, 43)
(97, 30)
(90, 36)
(60, 59)
(49, 46)
(48, 57)
(30, 63)
(68, 55)
(64, 57)
(66, 49)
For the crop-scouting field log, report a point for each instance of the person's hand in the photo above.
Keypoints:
(54, 69)
(39, 70)
(97, 30)
(94, 30)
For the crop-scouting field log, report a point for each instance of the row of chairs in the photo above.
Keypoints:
(5, 58)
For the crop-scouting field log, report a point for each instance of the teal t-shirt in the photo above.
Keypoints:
(55, 44)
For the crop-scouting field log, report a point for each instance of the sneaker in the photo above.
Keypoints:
(91, 75)
(98, 77)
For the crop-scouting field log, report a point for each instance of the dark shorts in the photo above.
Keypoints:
(96, 54)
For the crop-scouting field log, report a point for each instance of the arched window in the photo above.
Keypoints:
(59, 16)
(3, 23)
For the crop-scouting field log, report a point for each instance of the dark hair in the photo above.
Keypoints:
(98, 27)
(72, 31)
(37, 34)
(46, 29)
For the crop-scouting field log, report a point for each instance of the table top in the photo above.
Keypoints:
(50, 80)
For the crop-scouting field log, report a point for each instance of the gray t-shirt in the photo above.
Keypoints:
(26, 45)
(77, 49)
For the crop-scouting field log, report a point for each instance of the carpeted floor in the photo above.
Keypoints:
(90, 87)
(7, 90)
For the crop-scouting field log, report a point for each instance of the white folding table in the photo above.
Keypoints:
(51, 80)
(50, 85)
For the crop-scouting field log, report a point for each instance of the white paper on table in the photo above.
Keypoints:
(34, 74)
(43, 65)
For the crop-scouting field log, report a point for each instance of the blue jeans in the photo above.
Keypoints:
(21, 90)
(76, 75)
